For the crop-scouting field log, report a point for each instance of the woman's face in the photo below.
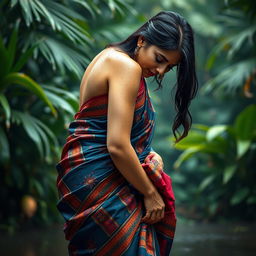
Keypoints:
(154, 60)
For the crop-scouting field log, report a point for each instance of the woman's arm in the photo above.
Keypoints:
(124, 81)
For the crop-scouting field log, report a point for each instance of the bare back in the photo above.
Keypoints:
(95, 79)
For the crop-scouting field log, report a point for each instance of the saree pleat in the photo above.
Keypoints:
(101, 209)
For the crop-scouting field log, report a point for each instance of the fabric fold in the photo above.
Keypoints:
(101, 209)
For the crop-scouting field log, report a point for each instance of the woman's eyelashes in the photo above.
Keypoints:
(159, 59)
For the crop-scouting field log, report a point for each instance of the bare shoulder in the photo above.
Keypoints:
(120, 64)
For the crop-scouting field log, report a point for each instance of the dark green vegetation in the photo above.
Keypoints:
(44, 49)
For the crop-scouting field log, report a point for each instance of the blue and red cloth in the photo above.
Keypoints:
(102, 210)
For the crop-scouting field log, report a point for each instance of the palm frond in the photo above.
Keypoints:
(86, 6)
(237, 40)
(37, 131)
(28, 83)
(60, 54)
(68, 96)
(59, 17)
(59, 102)
(231, 78)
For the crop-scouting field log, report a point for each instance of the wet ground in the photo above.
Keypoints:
(191, 239)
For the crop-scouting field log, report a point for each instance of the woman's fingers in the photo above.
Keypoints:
(153, 217)
(162, 214)
(158, 159)
(154, 206)
(146, 218)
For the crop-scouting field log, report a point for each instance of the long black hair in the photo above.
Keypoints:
(170, 31)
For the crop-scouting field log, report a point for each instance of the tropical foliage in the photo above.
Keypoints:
(44, 45)
(229, 152)
(223, 154)
(44, 48)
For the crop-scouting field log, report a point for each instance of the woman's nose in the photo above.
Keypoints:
(161, 70)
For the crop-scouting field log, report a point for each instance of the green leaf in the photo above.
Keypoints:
(215, 131)
(186, 155)
(60, 54)
(206, 182)
(5, 61)
(27, 14)
(242, 147)
(87, 6)
(23, 59)
(11, 48)
(228, 173)
(202, 127)
(4, 146)
(38, 132)
(194, 139)
(68, 96)
(230, 84)
(30, 84)
(38, 186)
(245, 125)
(60, 102)
(39, 8)
(13, 3)
(239, 196)
(30, 128)
(6, 107)
(47, 131)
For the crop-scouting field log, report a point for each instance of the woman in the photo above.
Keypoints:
(114, 195)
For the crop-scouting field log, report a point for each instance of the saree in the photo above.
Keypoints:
(101, 209)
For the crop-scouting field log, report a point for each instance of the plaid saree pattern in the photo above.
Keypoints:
(102, 211)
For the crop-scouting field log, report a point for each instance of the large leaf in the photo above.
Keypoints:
(215, 131)
(240, 31)
(59, 54)
(245, 123)
(29, 126)
(11, 48)
(228, 173)
(194, 138)
(239, 196)
(207, 181)
(30, 84)
(186, 155)
(23, 59)
(59, 102)
(5, 61)
(242, 147)
(68, 96)
(37, 131)
(231, 78)
(86, 6)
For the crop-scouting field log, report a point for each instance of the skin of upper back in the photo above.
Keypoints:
(100, 71)
(116, 74)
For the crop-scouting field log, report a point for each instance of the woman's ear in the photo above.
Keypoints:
(141, 41)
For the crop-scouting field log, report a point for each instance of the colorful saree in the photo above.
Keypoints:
(102, 210)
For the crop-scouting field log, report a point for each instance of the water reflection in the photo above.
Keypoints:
(214, 240)
(191, 239)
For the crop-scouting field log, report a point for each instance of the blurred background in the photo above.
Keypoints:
(45, 47)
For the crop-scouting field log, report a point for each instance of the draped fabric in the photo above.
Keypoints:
(102, 210)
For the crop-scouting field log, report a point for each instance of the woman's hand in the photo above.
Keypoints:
(155, 207)
(156, 157)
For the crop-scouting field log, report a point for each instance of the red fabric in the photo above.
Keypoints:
(162, 182)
